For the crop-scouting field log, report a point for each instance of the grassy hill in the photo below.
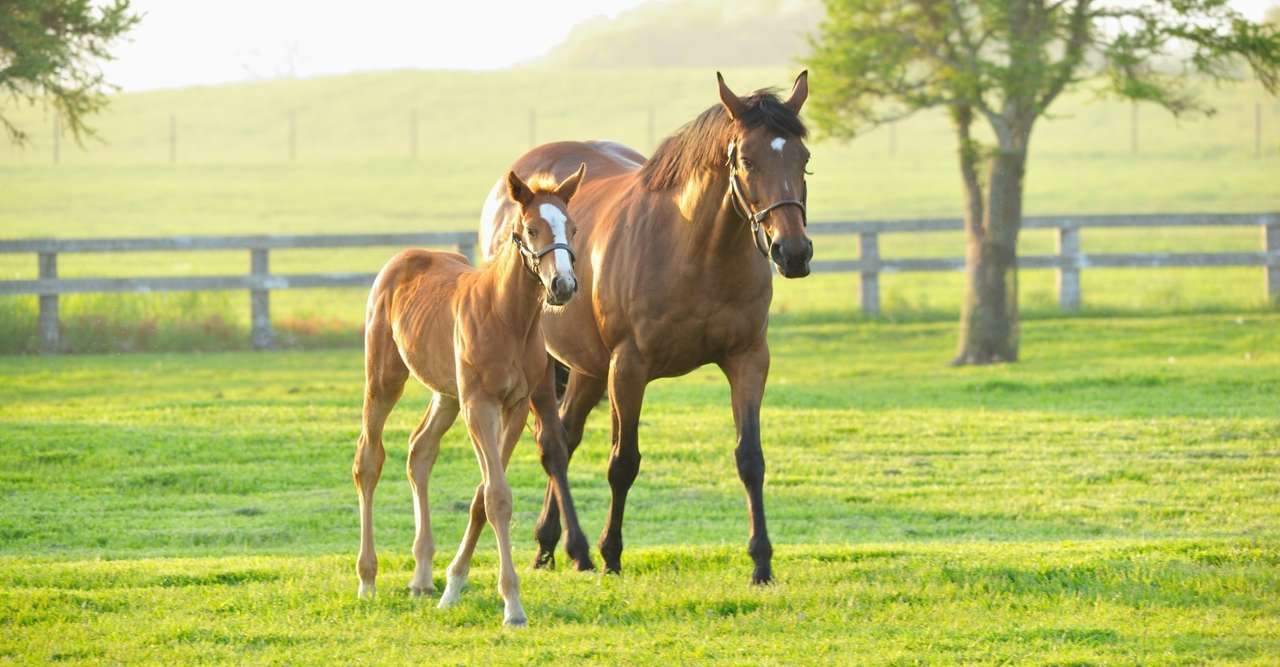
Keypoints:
(353, 171)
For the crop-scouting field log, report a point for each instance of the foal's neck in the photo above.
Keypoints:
(515, 294)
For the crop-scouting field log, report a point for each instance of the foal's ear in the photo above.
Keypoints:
(732, 103)
(569, 186)
(517, 190)
(799, 92)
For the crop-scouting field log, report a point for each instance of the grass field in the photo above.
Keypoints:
(1109, 500)
(353, 172)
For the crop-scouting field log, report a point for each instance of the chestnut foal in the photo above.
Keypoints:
(473, 337)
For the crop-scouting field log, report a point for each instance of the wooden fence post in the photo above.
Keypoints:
(1069, 271)
(1271, 246)
(50, 328)
(260, 301)
(869, 253)
(293, 135)
(468, 250)
(413, 133)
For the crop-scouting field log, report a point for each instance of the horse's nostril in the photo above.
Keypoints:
(775, 252)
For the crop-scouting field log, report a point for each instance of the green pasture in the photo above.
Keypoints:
(353, 172)
(1109, 500)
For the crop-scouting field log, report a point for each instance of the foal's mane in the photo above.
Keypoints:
(701, 143)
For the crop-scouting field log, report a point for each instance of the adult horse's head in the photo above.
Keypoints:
(545, 228)
(766, 157)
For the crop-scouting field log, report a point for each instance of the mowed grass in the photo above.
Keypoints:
(1109, 500)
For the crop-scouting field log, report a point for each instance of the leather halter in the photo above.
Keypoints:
(532, 258)
(743, 207)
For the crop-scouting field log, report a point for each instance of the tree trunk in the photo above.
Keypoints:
(989, 314)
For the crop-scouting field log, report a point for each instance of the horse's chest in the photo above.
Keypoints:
(700, 330)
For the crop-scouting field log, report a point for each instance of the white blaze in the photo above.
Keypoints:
(778, 143)
(555, 218)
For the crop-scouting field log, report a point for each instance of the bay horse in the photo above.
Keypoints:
(688, 236)
(472, 336)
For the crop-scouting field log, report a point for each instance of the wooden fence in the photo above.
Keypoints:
(1069, 260)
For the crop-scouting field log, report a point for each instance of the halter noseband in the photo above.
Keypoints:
(533, 258)
(743, 207)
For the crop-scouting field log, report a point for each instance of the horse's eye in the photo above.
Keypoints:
(533, 233)
(746, 163)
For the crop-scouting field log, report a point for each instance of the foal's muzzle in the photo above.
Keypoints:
(561, 289)
(792, 256)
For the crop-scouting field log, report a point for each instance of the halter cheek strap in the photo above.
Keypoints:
(532, 258)
(743, 206)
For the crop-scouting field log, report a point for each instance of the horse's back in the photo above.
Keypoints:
(604, 159)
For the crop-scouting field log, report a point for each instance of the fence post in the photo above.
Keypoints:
(413, 133)
(50, 328)
(1271, 246)
(260, 301)
(1069, 270)
(869, 253)
(468, 250)
(293, 135)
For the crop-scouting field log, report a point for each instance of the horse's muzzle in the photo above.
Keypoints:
(561, 289)
(792, 256)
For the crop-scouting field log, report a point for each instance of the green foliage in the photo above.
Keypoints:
(198, 508)
(49, 51)
(1010, 59)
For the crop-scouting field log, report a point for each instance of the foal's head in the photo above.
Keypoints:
(767, 156)
(545, 230)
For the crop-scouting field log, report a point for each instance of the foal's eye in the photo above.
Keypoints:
(746, 163)
(533, 233)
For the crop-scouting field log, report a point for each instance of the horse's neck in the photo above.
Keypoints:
(511, 290)
(715, 232)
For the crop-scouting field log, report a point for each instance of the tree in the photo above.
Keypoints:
(1005, 62)
(49, 51)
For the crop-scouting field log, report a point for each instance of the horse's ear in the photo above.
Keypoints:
(732, 103)
(517, 190)
(799, 92)
(569, 186)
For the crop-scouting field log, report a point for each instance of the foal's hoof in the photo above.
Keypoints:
(366, 591)
(452, 591)
(422, 591)
(517, 622)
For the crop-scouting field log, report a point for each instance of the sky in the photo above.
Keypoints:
(193, 42)
(190, 42)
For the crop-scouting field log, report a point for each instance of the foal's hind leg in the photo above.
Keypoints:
(424, 445)
(385, 375)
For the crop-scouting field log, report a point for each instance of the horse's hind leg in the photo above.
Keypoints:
(385, 375)
(424, 445)
(581, 395)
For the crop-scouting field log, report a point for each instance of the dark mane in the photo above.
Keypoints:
(701, 143)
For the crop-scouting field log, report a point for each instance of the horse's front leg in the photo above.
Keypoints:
(627, 382)
(747, 372)
(555, 447)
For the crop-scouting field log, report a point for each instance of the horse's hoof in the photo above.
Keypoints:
(452, 591)
(366, 591)
(584, 565)
(516, 622)
(544, 560)
(762, 578)
(422, 591)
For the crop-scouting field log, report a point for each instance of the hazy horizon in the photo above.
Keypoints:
(183, 43)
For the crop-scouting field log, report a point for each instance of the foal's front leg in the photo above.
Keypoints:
(494, 434)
